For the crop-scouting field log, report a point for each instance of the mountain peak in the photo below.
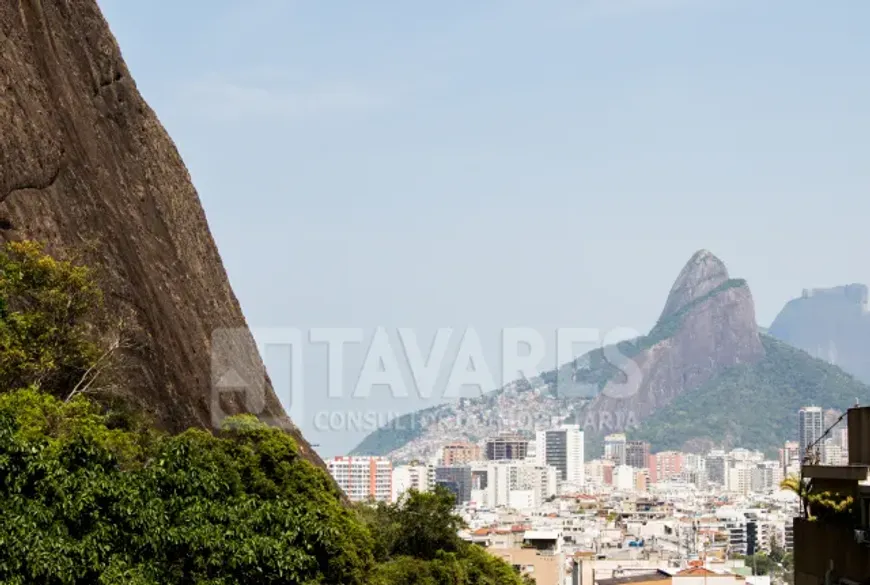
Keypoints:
(855, 293)
(701, 274)
(832, 324)
(702, 254)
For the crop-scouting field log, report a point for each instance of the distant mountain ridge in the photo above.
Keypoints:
(703, 376)
(832, 324)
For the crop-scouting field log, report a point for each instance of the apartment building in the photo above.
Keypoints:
(521, 485)
(599, 473)
(766, 477)
(457, 479)
(460, 453)
(363, 478)
(811, 425)
(562, 448)
(637, 454)
(408, 477)
(665, 466)
(834, 453)
(614, 448)
(718, 464)
(740, 478)
(623, 478)
(506, 447)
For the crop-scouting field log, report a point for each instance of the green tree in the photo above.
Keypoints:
(83, 503)
(761, 564)
(417, 543)
(86, 501)
(45, 304)
(777, 552)
(428, 524)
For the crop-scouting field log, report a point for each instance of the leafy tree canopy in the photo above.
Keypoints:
(86, 501)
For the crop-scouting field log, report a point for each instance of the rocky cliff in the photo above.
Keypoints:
(702, 274)
(707, 326)
(832, 324)
(87, 168)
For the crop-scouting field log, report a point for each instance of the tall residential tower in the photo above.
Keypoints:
(810, 428)
(563, 449)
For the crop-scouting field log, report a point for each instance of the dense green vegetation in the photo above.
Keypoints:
(416, 543)
(88, 497)
(778, 563)
(83, 503)
(753, 405)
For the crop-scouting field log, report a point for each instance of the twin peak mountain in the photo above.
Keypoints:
(703, 377)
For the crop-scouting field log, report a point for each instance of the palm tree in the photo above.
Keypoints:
(797, 485)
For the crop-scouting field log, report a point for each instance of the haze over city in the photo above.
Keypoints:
(514, 164)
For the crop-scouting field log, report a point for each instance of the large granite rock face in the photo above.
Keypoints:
(707, 326)
(87, 168)
(832, 324)
(701, 274)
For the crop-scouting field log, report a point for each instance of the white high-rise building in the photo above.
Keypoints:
(766, 477)
(810, 428)
(363, 478)
(694, 462)
(740, 478)
(521, 485)
(615, 447)
(834, 454)
(562, 448)
(409, 477)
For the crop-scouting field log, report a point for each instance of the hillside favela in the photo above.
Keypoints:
(382, 293)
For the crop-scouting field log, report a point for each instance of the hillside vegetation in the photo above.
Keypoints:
(396, 433)
(753, 405)
(91, 493)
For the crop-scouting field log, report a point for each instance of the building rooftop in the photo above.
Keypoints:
(658, 575)
(541, 535)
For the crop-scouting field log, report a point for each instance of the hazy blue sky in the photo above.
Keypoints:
(502, 163)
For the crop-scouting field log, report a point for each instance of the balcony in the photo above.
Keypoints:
(850, 473)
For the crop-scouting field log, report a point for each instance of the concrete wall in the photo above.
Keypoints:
(817, 545)
(859, 435)
(707, 580)
(548, 569)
